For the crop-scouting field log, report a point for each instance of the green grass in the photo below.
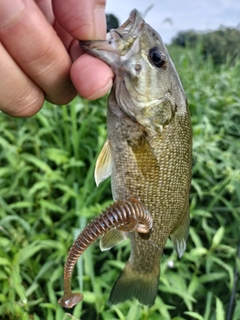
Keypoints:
(47, 195)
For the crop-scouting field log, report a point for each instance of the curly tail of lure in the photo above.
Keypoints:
(126, 215)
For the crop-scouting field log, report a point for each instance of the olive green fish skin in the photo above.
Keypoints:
(149, 134)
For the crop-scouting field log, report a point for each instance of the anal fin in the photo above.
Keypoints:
(180, 234)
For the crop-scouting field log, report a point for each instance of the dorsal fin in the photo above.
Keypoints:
(103, 168)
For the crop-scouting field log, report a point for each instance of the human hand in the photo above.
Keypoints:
(37, 49)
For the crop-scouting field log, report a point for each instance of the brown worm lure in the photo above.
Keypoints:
(127, 215)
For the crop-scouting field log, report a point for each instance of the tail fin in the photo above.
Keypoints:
(133, 284)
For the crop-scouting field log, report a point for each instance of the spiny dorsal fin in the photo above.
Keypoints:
(111, 239)
(103, 168)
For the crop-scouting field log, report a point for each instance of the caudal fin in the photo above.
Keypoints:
(133, 284)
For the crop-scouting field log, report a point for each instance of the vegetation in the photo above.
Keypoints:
(112, 22)
(222, 45)
(47, 194)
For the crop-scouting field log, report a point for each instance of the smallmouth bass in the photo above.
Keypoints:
(148, 153)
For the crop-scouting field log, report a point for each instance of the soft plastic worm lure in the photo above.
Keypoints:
(127, 215)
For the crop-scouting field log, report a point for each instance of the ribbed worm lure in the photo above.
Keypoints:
(127, 215)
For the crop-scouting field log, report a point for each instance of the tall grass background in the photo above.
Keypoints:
(48, 194)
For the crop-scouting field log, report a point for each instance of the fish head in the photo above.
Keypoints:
(146, 84)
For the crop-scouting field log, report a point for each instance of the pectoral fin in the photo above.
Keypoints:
(103, 168)
(111, 239)
(180, 234)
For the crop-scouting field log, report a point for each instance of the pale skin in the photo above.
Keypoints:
(40, 55)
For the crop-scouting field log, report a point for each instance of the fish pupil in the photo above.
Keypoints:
(156, 58)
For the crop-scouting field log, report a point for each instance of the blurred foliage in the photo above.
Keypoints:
(47, 194)
(112, 22)
(222, 45)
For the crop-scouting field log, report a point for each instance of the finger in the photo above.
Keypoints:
(98, 83)
(46, 7)
(34, 45)
(19, 96)
(84, 20)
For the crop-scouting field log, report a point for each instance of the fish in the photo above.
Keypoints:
(148, 152)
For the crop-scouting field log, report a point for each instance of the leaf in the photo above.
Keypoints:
(218, 237)
(194, 315)
(4, 261)
(118, 312)
(41, 165)
(134, 311)
(193, 285)
(45, 269)
(208, 305)
(195, 237)
(3, 276)
(116, 264)
(198, 252)
(56, 155)
(6, 221)
(51, 206)
(4, 241)
(220, 313)
(27, 252)
(31, 289)
(90, 297)
(163, 308)
(212, 277)
(39, 186)
(17, 281)
(236, 311)
(228, 268)
(8, 171)
(21, 205)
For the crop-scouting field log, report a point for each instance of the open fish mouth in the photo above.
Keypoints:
(130, 28)
(118, 42)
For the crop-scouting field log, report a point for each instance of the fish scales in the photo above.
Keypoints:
(148, 152)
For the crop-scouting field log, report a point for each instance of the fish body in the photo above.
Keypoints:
(148, 152)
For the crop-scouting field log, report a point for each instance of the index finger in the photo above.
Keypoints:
(84, 20)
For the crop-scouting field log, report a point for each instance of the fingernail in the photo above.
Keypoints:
(100, 23)
(9, 11)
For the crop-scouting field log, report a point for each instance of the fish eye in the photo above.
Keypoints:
(157, 58)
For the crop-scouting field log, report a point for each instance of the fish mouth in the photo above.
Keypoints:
(119, 41)
(130, 28)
